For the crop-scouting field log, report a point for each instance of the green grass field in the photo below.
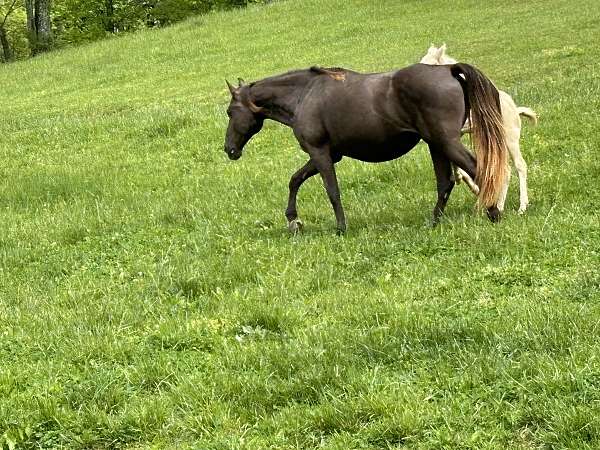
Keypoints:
(151, 296)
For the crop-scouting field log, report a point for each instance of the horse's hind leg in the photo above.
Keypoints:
(521, 166)
(324, 162)
(504, 191)
(443, 175)
(303, 174)
(459, 155)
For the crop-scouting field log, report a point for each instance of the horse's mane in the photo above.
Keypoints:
(337, 73)
(318, 69)
(283, 78)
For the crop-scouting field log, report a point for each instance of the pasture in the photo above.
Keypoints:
(152, 297)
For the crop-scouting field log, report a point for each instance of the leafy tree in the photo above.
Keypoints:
(29, 27)
(7, 51)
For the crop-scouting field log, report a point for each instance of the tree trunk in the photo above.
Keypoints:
(38, 25)
(42, 24)
(109, 21)
(6, 50)
(31, 34)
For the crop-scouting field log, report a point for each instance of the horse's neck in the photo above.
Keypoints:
(279, 96)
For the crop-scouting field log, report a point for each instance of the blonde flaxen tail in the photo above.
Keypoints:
(487, 132)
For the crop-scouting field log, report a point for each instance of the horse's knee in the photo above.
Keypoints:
(521, 166)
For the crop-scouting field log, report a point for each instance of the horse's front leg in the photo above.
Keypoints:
(521, 166)
(324, 163)
(291, 214)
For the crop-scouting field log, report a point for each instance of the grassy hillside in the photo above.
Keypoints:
(150, 295)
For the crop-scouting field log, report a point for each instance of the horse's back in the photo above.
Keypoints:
(342, 104)
(380, 116)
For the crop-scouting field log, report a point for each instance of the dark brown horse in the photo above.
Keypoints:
(375, 118)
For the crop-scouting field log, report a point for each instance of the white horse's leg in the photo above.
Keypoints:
(513, 136)
(467, 179)
(521, 167)
(457, 175)
(512, 126)
(504, 191)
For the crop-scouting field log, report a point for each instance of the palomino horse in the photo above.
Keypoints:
(378, 117)
(512, 125)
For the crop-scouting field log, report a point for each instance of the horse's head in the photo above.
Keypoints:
(245, 120)
(437, 56)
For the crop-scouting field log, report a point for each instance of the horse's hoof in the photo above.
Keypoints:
(295, 226)
(521, 211)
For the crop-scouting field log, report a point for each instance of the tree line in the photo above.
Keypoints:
(30, 27)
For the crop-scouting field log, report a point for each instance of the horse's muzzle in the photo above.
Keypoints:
(233, 153)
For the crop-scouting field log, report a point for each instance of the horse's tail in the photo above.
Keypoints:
(488, 132)
(529, 113)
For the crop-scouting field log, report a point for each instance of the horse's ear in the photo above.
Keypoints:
(240, 82)
(232, 89)
(443, 48)
(439, 54)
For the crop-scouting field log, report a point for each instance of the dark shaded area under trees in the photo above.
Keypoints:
(30, 27)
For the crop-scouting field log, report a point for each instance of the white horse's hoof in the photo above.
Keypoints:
(295, 226)
(521, 211)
